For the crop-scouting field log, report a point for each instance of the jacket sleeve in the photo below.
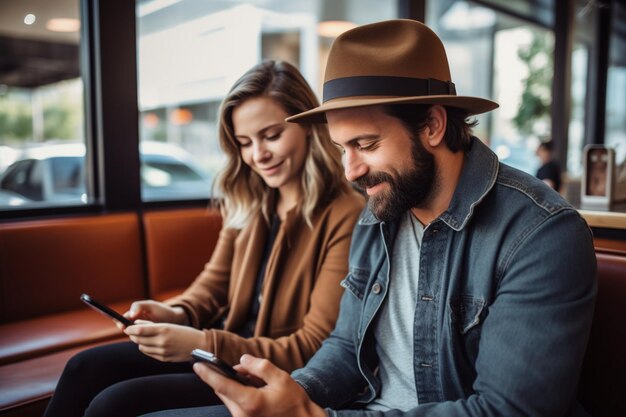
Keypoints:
(534, 336)
(335, 362)
(293, 350)
(205, 300)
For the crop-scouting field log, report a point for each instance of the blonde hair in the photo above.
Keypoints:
(244, 191)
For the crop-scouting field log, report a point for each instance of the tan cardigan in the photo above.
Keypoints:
(301, 290)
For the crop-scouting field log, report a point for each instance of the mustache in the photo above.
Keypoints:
(372, 179)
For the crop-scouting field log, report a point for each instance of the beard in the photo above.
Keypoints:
(406, 189)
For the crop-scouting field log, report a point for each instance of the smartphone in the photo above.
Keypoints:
(105, 310)
(222, 367)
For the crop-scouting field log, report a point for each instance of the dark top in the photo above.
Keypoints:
(551, 171)
(247, 330)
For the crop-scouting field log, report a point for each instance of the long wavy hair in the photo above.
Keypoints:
(244, 191)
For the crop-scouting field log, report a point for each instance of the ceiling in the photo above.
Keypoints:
(32, 55)
(12, 14)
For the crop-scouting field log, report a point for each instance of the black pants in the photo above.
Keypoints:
(118, 380)
(214, 411)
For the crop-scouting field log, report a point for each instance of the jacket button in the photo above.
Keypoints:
(376, 288)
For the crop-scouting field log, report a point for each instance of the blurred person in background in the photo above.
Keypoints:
(550, 170)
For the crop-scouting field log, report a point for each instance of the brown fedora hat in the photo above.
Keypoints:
(394, 61)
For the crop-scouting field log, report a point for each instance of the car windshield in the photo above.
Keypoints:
(67, 175)
(162, 173)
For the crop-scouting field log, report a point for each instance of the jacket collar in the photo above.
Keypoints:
(477, 178)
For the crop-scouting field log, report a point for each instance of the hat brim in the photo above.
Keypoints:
(473, 105)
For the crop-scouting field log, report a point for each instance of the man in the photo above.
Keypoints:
(549, 171)
(471, 285)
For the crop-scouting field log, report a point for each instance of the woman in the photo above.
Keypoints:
(271, 287)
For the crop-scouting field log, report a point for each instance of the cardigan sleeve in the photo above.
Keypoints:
(291, 351)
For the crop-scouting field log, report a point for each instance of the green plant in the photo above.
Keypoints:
(535, 106)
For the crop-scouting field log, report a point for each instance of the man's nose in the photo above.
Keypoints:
(354, 167)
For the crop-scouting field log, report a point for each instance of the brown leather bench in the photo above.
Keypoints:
(178, 244)
(602, 388)
(44, 267)
(46, 264)
(26, 386)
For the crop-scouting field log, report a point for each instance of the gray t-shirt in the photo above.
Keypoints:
(394, 329)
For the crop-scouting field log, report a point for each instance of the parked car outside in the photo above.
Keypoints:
(9, 199)
(55, 173)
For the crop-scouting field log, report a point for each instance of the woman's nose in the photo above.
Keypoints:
(260, 152)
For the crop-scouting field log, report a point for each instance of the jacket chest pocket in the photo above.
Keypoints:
(356, 282)
(466, 317)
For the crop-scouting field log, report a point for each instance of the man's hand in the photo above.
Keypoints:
(165, 342)
(281, 397)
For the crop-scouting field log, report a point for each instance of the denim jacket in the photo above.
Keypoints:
(505, 301)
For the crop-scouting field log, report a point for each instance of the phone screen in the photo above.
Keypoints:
(222, 367)
(109, 312)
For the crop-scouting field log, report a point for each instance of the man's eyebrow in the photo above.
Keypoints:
(357, 138)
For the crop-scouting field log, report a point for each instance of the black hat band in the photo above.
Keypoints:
(386, 86)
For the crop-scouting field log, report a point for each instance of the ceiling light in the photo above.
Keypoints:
(29, 19)
(334, 28)
(63, 25)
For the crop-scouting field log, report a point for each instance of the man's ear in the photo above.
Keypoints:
(436, 125)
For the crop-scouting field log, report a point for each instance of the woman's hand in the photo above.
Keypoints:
(281, 397)
(156, 312)
(164, 341)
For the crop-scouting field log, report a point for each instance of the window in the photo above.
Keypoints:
(509, 60)
(190, 53)
(41, 100)
(616, 99)
(580, 60)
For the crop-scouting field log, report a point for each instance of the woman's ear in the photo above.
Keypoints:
(436, 125)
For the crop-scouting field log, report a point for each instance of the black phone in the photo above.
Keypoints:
(223, 368)
(109, 312)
